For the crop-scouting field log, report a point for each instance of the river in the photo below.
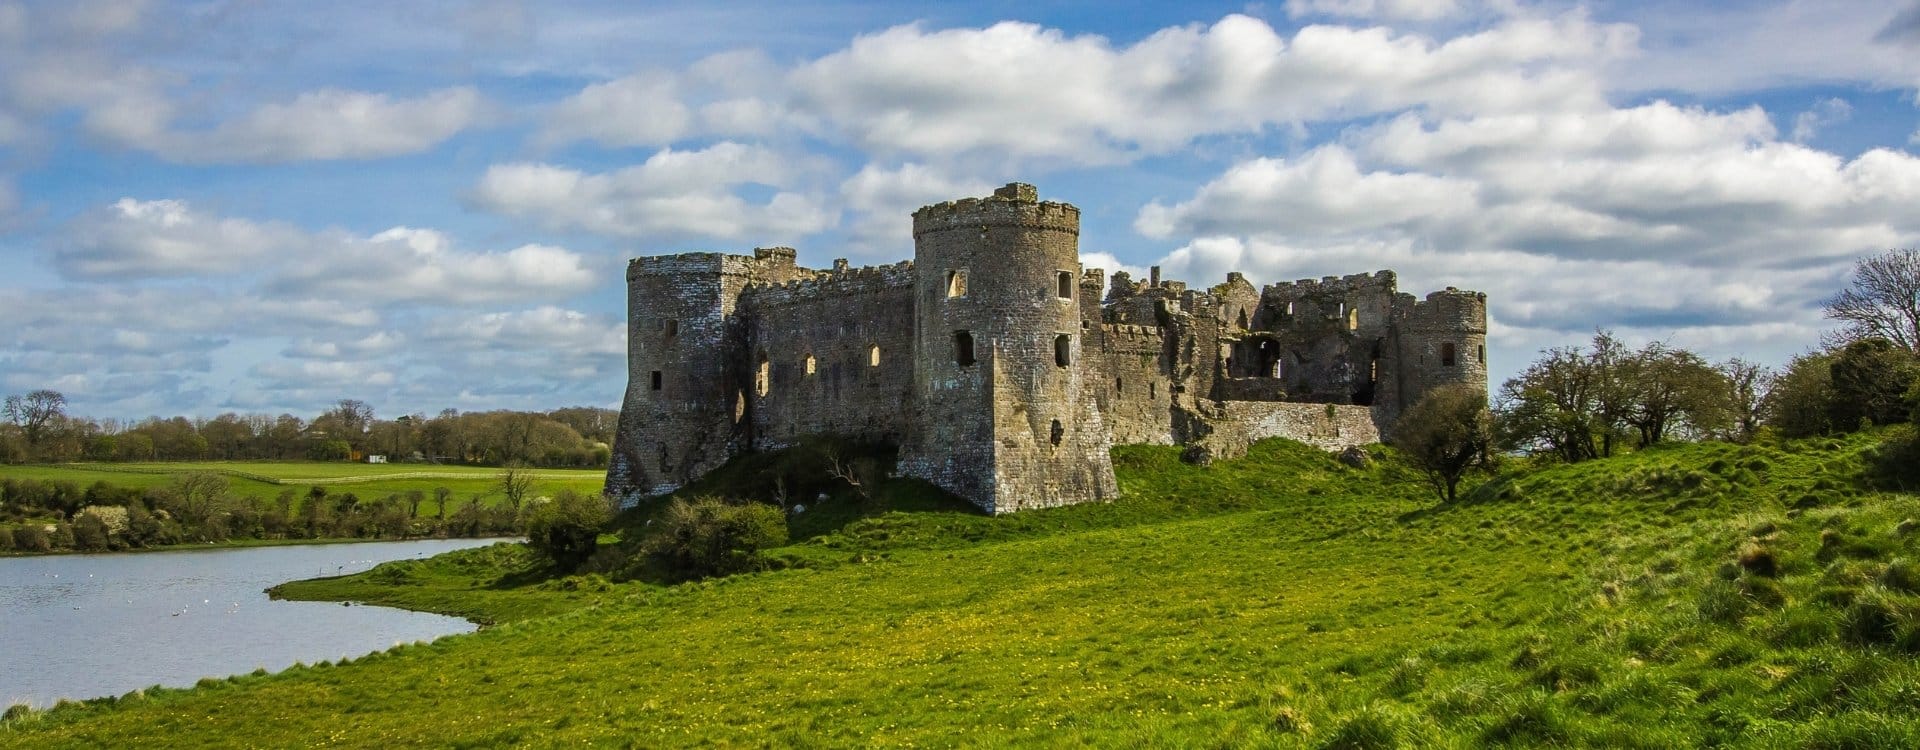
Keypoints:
(86, 626)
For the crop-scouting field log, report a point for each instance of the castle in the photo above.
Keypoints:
(995, 365)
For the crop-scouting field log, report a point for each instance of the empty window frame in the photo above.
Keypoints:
(963, 348)
(1059, 431)
(1063, 350)
(1066, 285)
(1353, 319)
(1446, 355)
(763, 377)
(807, 364)
(1480, 353)
(873, 355)
(671, 328)
(957, 282)
(656, 380)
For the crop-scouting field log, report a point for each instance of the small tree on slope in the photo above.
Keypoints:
(1444, 435)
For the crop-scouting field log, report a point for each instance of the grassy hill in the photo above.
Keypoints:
(1760, 596)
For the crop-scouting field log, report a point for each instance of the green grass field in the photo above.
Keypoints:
(1759, 596)
(269, 478)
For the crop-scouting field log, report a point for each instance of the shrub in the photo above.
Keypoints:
(567, 528)
(710, 537)
(31, 538)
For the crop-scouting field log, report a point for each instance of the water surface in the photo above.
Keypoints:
(85, 626)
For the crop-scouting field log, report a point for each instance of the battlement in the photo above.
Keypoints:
(1378, 281)
(840, 282)
(1015, 205)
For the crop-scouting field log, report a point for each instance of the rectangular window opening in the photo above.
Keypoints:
(1066, 285)
(1063, 350)
(963, 348)
(1446, 355)
(1480, 353)
(656, 380)
(672, 328)
(957, 282)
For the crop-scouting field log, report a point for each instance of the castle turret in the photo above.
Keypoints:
(1008, 420)
(1443, 340)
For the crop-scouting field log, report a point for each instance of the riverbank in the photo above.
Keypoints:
(1683, 596)
(244, 544)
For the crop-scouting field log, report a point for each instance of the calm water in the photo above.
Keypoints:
(85, 626)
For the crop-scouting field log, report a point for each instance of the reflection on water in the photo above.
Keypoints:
(85, 626)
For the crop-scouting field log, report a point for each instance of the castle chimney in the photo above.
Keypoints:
(1153, 278)
(839, 265)
(1018, 191)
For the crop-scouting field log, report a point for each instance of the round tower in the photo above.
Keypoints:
(1445, 341)
(1008, 419)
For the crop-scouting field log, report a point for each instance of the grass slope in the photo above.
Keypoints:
(1745, 596)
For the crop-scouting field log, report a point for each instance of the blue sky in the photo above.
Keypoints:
(237, 206)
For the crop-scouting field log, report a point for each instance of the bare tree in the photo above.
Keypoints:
(33, 412)
(515, 482)
(1884, 301)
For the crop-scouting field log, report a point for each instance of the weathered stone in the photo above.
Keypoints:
(1356, 457)
(994, 364)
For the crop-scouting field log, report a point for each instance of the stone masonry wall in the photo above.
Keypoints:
(818, 339)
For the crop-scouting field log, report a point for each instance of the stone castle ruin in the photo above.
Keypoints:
(998, 367)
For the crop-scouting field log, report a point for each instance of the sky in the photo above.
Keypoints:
(266, 207)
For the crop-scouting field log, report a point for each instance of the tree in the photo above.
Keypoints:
(1444, 435)
(1550, 408)
(1669, 388)
(1747, 386)
(567, 528)
(1870, 382)
(514, 482)
(1800, 402)
(33, 412)
(1884, 301)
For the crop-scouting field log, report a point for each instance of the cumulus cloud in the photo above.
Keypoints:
(166, 238)
(1386, 10)
(420, 265)
(1030, 92)
(317, 125)
(883, 198)
(671, 193)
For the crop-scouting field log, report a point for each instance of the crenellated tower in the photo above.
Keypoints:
(1007, 414)
(1443, 340)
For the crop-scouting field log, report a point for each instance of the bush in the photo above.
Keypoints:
(31, 538)
(711, 537)
(567, 528)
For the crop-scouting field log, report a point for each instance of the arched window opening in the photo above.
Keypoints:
(1059, 431)
(763, 376)
(1446, 355)
(807, 364)
(1066, 285)
(1353, 319)
(957, 282)
(1268, 364)
(1063, 350)
(739, 406)
(1117, 383)
(873, 355)
(1242, 321)
(963, 348)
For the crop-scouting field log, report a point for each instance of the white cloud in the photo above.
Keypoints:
(1386, 10)
(420, 266)
(1319, 194)
(1824, 114)
(540, 328)
(166, 238)
(643, 109)
(317, 125)
(1024, 91)
(672, 193)
(883, 200)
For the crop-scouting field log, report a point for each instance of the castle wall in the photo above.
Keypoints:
(1329, 427)
(1134, 393)
(835, 319)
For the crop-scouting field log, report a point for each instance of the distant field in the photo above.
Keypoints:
(270, 478)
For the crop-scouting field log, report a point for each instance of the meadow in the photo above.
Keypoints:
(1690, 595)
(267, 479)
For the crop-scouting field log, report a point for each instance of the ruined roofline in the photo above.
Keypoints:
(1384, 279)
